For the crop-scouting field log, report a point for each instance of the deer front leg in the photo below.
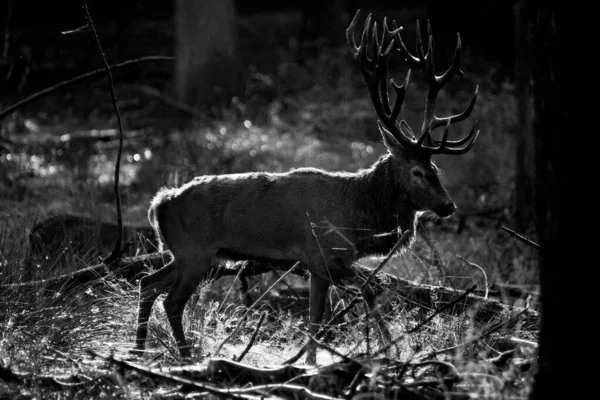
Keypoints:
(318, 297)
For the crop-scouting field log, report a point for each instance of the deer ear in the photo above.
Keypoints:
(390, 141)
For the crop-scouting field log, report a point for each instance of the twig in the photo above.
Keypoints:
(78, 78)
(381, 264)
(442, 309)
(425, 321)
(299, 354)
(354, 300)
(253, 338)
(524, 342)
(437, 259)
(228, 338)
(401, 242)
(237, 276)
(485, 279)
(116, 253)
(164, 345)
(475, 339)
(521, 237)
(150, 91)
(322, 345)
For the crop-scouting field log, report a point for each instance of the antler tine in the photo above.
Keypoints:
(404, 126)
(350, 35)
(420, 48)
(403, 47)
(437, 122)
(400, 92)
(444, 148)
(381, 73)
(375, 70)
(454, 68)
(425, 62)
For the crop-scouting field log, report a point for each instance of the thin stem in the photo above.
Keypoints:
(116, 253)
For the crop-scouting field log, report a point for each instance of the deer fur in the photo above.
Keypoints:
(286, 217)
(326, 220)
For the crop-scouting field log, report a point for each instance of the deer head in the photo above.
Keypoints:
(413, 167)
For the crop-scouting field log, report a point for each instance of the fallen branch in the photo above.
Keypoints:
(54, 382)
(164, 376)
(86, 236)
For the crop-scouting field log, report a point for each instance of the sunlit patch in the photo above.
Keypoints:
(361, 150)
(31, 125)
(147, 154)
(223, 130)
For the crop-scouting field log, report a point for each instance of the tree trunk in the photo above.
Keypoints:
(555, 140)
(524, 203)
(207, 70)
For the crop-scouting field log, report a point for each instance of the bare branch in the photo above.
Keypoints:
(234, 331)
(79, 78)
(116, 253)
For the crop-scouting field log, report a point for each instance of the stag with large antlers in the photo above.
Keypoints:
(326, 220)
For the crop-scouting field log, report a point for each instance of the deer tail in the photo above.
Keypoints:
(155, 212)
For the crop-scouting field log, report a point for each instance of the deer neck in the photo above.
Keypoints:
(384, 204)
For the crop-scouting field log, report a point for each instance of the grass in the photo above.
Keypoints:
(320, 117)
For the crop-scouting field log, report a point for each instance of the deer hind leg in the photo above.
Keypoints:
(190, 273)
(369, 297)
(318, 297)
(151, 286)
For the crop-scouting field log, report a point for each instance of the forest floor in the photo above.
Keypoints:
(303, 107)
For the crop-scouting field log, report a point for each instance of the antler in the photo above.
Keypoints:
(374, 71)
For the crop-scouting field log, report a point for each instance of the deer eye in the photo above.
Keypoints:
(418, 173)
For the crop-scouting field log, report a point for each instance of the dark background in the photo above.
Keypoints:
(35, 30)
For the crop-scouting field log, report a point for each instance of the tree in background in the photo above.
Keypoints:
(524, 202)
(555, 139)
(207, 70)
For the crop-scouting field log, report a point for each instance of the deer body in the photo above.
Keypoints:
(325, 220)
(288, 216)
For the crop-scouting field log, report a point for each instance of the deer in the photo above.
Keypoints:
(288, 217)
